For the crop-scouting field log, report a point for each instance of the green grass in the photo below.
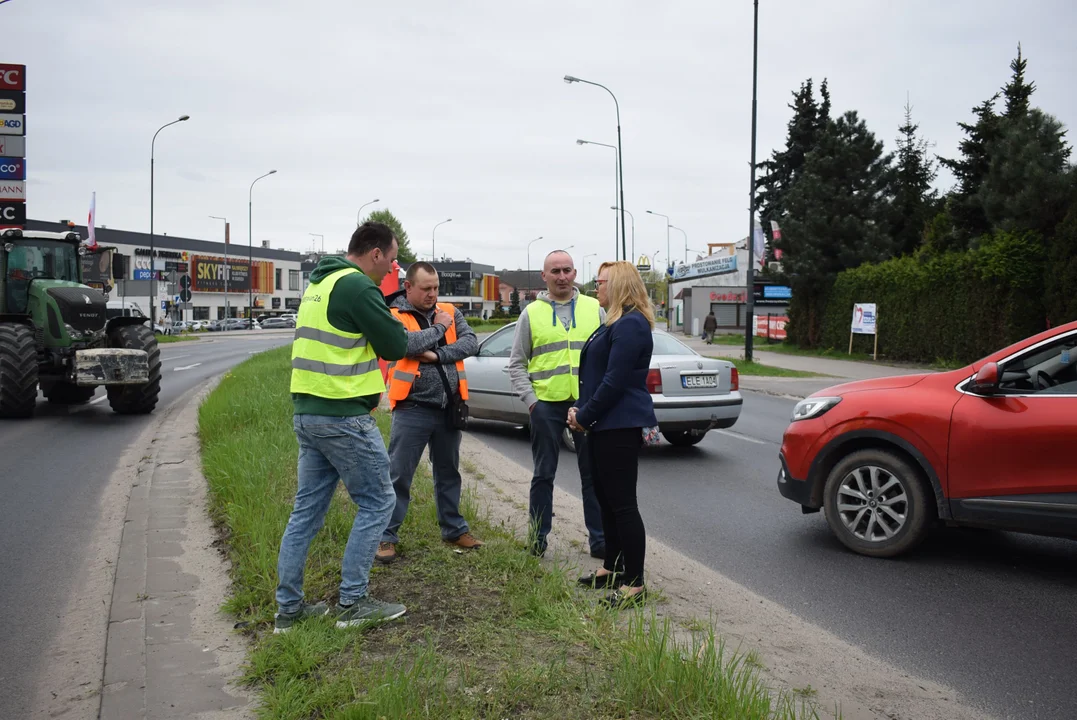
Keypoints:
(759, 370)
(174, 338)
(488, 634)
(831, 353)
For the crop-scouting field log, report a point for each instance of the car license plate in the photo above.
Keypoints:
(699, 381)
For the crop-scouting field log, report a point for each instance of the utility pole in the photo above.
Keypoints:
(749, 331)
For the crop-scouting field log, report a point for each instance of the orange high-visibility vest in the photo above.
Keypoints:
(403, 372)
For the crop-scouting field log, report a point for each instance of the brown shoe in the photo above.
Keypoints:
(467, 541)
(386, 553)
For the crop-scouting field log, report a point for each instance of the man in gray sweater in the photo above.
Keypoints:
(422, 389)
(544, 371)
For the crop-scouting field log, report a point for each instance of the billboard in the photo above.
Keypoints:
(13, 169)
(712, 265)
(12, 124)
(11, 146)
(208, 274)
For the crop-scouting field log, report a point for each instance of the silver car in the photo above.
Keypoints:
(692, 394)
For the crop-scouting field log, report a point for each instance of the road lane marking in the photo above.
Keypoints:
(174, 357)
(185, 367)
(742, 437)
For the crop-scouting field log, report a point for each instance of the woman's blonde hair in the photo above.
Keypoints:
(625, 291)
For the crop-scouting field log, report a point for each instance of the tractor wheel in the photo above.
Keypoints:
(136, 399)
(18, 371)
(65, 393)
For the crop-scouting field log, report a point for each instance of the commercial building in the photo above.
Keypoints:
(724, 292)
(274, 279)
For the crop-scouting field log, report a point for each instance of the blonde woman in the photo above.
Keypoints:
(613, 408)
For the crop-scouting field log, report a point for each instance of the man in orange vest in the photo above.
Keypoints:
(426, 390)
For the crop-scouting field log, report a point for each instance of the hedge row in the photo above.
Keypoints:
(953, 307)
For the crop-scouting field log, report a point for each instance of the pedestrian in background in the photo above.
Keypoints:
(613, 408)
(427, 392)
(544, 367)
(342, 328)
(710, 325)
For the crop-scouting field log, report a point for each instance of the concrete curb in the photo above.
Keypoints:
(169, 652)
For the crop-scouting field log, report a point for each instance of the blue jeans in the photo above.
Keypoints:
(330, 448)
(415, 427)
(547, 423)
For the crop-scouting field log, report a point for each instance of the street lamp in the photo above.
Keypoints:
(682, 232)
(620, 159)
(749, 327)
(633, 218)
(359, 215)
(319, 235)
(227, 270)
(433, 254)
(529, 265)
(250, 249)
(153, 270)
(586, 271)
(614, 148)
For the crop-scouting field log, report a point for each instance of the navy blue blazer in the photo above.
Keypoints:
(613, 376)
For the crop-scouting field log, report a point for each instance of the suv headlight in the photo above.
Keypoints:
(813, 407)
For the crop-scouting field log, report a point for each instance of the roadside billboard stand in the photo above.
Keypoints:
(865, 322)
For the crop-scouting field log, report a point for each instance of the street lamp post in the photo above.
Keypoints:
(433, 252)
(250, 249)
(319, 235)
(359, 215)
(682, 232)
(529, 264)
(669, 260)
(633, 219)
(749, 327)
(615, 175)
(227, 270)
(153, 270)
(586, 269)
(620, 159)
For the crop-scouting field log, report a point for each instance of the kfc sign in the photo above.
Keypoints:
(12, 214)
(12, 77)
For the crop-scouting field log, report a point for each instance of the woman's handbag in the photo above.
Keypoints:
(650, 436)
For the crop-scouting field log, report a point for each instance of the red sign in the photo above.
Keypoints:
(736, 296)
(776, 329)
(12, 77)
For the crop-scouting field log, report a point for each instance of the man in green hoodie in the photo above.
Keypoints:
(343, 327)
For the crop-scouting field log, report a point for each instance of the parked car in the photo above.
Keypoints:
(163, 327)
(692, 394)
(989, 445)
(275, 323)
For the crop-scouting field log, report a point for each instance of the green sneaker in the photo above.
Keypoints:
(282, 623)
(367, 611)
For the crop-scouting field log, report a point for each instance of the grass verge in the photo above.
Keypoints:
(488, 634)
(759, 370)
(830, 353)
(174, 338)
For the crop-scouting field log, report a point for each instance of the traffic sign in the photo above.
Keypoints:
(185, 294)
(185, 282)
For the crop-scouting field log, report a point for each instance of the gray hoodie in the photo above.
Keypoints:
(521, 345)
(428, 388)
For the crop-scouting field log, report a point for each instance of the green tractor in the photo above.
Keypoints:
(54, 332)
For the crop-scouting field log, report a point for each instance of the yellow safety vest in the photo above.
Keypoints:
(554, 368)
(328, 362)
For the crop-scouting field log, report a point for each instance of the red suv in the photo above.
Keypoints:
(991, 445)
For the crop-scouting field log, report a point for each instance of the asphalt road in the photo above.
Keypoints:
(992, 614)
(54, 469)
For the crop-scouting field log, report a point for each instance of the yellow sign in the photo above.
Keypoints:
(643, 264)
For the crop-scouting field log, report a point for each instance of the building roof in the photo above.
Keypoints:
(108, 236)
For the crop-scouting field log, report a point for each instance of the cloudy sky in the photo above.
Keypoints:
(458, 109)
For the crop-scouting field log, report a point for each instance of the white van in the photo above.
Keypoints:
(123, 308)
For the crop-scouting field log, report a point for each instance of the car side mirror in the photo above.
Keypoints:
(986, 380)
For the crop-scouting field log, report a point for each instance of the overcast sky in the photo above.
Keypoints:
(458, 109)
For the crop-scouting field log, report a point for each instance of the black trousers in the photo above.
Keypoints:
(615, 465)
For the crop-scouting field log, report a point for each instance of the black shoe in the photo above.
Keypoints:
(618, 599)
(599, 552)
(595, 581)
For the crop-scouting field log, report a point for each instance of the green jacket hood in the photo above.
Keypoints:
(328, 266)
